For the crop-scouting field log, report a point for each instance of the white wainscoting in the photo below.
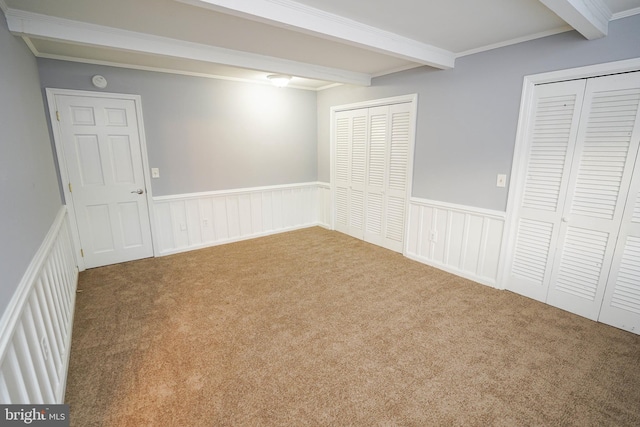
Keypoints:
(462, 240)
(190, 221)
(35, 330)
(325, 205)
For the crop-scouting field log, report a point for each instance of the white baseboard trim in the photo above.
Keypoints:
(35, 329)
(187, 222)
(461, 240)
(232, 240)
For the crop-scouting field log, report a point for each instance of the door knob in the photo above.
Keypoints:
(138, 191)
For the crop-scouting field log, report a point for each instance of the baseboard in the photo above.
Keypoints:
(236, 239)
(462, 240)
(192, 221)
(35, 330)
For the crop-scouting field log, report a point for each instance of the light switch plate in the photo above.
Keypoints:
(155, 173)
(502, 180)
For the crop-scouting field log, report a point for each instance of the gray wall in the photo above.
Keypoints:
(207, 134)
(467, 117)
(29, 196)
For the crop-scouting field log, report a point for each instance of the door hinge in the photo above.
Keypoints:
(82, 253)
(58, 115)
(70, 188)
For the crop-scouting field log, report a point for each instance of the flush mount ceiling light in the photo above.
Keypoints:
(279, 80)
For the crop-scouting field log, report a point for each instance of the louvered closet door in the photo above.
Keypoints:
(377, 164)
(550, 147)
(351, 144)
(387, 175)
(621, 305)
(598, 186)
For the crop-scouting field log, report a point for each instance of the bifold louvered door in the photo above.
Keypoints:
(581, 160)
(350, 168)
(621, 305)
(371, 173)
(550, 150)
(601, 172)
(386, 183)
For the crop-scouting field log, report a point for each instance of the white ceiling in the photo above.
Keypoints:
(319, 42)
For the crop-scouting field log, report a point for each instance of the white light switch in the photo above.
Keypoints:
(502, 180)
(155, 173)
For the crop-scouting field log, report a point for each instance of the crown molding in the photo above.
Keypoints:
(305, 19)
(170, 71)
(626, 13)
(517, 40)
(28, 24)
(589, 17)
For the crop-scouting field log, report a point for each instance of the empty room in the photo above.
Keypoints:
(319, 212)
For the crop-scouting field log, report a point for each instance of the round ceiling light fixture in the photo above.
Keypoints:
(279, 80)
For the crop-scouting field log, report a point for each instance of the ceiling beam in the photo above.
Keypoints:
(50, 28)
(305, 19)
(589, 17)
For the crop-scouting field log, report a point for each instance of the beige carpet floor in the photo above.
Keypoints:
(314, 328)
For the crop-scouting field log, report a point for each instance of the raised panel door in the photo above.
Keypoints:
(103, 159)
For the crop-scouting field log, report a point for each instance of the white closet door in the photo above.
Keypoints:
(621, 305)
(351, 144)
(373, 148)
(554, 125)
(387, 175)
(378, 163)
(398, 176)
(598, 186)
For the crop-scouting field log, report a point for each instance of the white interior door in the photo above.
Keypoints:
(550, 146)
(351, 145)
(388, 175)
(397, 188)
(600, 176)
(621, 305)
(100, 139)
(376, 177)
(373, 151)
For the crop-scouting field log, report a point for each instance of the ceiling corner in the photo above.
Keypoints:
(589, 17)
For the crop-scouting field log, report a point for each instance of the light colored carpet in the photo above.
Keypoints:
(315, 328)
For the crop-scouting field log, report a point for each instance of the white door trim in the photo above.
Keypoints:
(64, 176)
(402, 99)
(518, 167)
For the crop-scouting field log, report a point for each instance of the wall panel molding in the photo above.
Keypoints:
(325, 207)
(35, 330)
(197, 220)
(462, 240)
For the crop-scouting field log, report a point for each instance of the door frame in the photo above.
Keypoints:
(51, 94)
(402, 99)
(519, 165)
